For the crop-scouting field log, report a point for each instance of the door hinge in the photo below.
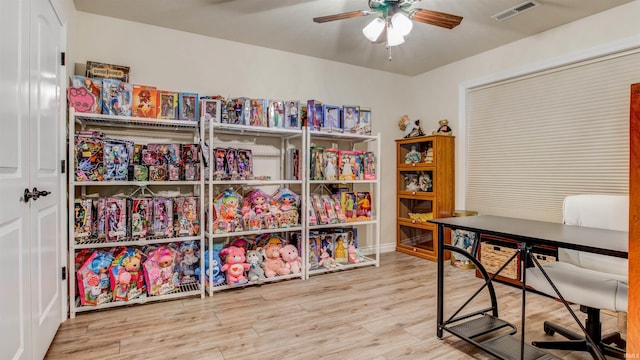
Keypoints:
(63, 58)
(64, 273)
(63, 166)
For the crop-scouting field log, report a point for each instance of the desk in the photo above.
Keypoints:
(527, 233)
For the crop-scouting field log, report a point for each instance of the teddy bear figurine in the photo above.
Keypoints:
(291, 258)
(256, 265)
(444, 128)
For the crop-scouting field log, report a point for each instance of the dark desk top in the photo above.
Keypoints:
(600, 241)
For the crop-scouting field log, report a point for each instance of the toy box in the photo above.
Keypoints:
(257, 114)
(140, 213)
(363, 205)
(314, 115)
(94, 286)
(99, 225)
(288, 204)
(162, 217)
(292, 114)
(348, 202)
(330, 164)
(347, 164)
(89, 154)
(127, 275)
(83, 217)
(96, 69)
(188, 106)
(227, 215)
(116, 160)
(315, 244)
(337, 208)
(144, 101)
(276, 113)
(116, 97)
(364, 121)
(91, 100)
(316, 163)
(168, 104)
(210, 110)
(331, 117)
(329, 208)
(116, 218)
(140, 172)
(245, 164)
(236, 108)
(350, 119)
(160, 271)
(340, 247)
(231, 163)
(369, 165)
(318, 207)
(174, 172)
(220, 164)
(189, 262)
(293, 164)
(187, 216)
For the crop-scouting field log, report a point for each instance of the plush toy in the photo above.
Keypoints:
(410, 127)
(127, 280)
(160, 270)
(326, 260)
(444, 128)
(93, 279)
(274, 265)
(214, 266)
(354, 254)
(292, 260)
(235, 265)
(256, 265)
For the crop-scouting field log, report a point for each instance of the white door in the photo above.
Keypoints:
(45, 120)
(30, 232)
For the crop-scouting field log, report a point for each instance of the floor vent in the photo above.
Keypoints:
(516, 10)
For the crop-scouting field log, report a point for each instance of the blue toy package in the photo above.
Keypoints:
(116, 97)
(188, 106)
(116, 160)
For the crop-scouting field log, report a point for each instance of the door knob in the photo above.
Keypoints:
(35, 194)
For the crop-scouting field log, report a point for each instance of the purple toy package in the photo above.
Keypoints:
(163, 217)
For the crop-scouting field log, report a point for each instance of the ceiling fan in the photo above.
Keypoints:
(395, 17)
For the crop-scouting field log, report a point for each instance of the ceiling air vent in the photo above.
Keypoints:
(516, 10)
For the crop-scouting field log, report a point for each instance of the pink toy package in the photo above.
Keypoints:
(160, 271)
(126, 275)
(162, 217)
(93, 279)
(347, 166)
(116, 218)
(187, 217)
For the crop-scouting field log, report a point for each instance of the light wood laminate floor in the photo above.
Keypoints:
(366, 313)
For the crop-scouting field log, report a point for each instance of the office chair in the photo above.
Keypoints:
(595, 282)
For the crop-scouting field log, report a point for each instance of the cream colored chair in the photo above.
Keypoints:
(596, 282)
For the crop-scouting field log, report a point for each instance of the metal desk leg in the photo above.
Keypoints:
(440, 294)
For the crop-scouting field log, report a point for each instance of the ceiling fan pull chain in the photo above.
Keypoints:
(389, 47)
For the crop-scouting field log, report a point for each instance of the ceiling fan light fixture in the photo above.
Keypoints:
(401, 23)
(394, 37)
(374, 29)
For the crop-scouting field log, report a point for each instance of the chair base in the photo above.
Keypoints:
(611, 344)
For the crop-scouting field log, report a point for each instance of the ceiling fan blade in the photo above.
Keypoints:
(347, 15)
(436, 18)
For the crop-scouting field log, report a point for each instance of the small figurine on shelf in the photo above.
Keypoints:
(444, 128)
(428, 155)
(411, 182)
(410, 127)
(413, 156)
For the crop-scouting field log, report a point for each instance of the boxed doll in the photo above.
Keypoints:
(331, 117)
(188, 106)
(292, 114)
(116, 219)
(330, 168)
(187, 216)
(160, 270)
(116, 97)
(140, 214)
(93, 279)
(144, 101)
(93, 87)
(236, 108)
(127, 275)
(168, 104)
(348, 168)
(89, 154)
(116, 160)
(276, 113)
(83, 217)
(162, 217)
(350, 119)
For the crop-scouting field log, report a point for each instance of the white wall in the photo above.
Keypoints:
(436, 93)
(181, 61)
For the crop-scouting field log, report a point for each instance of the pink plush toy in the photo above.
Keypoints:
(274, 265)
(291, 258)
(354, 257)
(235, 265)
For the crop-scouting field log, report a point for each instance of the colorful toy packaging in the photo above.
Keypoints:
(162, 217)
(236, 108)
(187, 216)
(116, 160)
(188, 106)
(292, 114)
(83, 218)
(190, 260)
(89, 154)
(93, 279)
(160, 270)
(348, 167)
(288, 204)
(276, 113)
(144, 101)
(116, 97)
(227, 215)
(168, 103)
(257, 113)
(314, 115)
(140, 211)
(116, 219)
(363, 205)
(127, 275)
(85, 94)
(369, 165)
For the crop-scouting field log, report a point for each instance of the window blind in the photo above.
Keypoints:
(535, 139)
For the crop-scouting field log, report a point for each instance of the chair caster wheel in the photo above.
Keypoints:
(548, 330)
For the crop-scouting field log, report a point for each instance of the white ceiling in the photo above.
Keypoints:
(287, 25)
